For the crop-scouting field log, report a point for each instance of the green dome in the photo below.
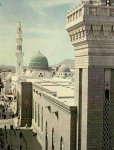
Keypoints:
(39, 62)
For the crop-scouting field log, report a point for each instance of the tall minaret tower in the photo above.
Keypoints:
(91, 31)
(19, 53)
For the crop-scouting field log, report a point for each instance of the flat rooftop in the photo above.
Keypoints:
(64, 89)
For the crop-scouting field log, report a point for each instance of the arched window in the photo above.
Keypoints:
(42, 120)
(53, 139)
(65, 74)
(35, 111)
(46, 137)
(106, 131)
(108, 2)
(61, 144)
(107, 94)
(38, 115)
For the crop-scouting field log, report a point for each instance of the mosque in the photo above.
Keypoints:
(38, 66)
(68, 114)
(44, 97)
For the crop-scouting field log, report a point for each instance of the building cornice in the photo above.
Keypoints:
(55, 101)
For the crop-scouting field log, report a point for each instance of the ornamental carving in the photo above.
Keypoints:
(112, 12)
(106, 29)
(92, 32)
(96, 29)
(87, 28)
(102, 12)
(93, 11)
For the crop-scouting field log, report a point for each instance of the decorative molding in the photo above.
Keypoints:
(102, 11)
(87, 28)
(96, 29)
(107, 29)
(92, 32)
(112, 12)
(54, 101)
(93, 11)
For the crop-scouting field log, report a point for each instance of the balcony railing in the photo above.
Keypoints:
(90, 10)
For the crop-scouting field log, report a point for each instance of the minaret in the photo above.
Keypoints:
(19, 53)
(91, 31)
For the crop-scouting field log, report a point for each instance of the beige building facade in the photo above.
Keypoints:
(82, 119)
(91, 30)
(53, 120)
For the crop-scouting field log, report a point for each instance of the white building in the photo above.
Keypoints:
(64, 71)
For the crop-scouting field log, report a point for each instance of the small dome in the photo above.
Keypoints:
(39, 62)
(64, 68)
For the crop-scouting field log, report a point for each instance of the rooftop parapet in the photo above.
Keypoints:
(89, 10)
(88, 21)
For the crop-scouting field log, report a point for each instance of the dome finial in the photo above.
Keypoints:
(39, 53)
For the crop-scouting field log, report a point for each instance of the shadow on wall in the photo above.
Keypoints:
(11, 137)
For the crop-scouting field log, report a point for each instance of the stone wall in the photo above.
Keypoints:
(25, 103)
(58, 119)
(95, 108)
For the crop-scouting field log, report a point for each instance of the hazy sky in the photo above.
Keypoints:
(43, 25)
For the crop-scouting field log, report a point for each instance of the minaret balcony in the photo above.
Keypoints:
(91, 22)
(91, 13)
(74, 17)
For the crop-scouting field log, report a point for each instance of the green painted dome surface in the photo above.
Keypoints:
(38, 62)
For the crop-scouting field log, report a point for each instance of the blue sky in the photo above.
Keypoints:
(43, 25)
